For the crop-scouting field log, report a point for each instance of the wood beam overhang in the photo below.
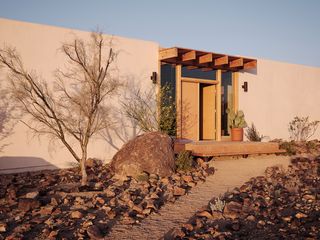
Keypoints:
(251, 64)
(236, 63)
(205, 60)
(188, 56)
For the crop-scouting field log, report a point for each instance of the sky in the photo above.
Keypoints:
(283, 30)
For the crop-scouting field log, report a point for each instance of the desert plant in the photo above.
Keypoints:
(290, 147)
(151, 110)
(236, 119)
(311, 146)
(301, 128)
(184, 161)
(77, 107)
(217, 205)
(252, 134)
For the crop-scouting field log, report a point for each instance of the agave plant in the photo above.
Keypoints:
(236, 119)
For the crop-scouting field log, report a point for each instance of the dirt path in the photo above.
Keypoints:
(230, 173)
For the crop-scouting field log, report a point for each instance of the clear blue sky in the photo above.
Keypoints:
(285, 30)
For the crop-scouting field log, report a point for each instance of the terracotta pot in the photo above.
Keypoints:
(237, 134)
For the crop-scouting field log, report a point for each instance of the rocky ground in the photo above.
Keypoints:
(51, 204)
(280, 205)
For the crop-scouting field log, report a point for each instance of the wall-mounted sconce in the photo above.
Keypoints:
(154, 77)
(245, 86)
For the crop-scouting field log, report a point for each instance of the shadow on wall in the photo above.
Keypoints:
(13, 164)
(253, 71)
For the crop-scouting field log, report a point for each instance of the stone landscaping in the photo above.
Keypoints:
(52, 204)
(280, 205)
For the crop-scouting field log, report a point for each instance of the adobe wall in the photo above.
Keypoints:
(277, 93)
(38, 46)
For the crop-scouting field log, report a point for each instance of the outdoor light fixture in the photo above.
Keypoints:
(154, 77)
(245, 86)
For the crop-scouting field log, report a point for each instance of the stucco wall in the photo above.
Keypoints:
(277, 93)
(38, 46)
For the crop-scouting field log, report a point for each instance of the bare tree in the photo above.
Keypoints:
(75, 109)
(151, 110)
(7, 118)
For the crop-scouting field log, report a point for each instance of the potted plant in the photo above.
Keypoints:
(237, 123)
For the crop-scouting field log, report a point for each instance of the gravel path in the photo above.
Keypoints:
(230, 173)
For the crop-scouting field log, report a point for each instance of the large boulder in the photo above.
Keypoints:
(151, 152)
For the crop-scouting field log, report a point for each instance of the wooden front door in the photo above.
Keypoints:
(207, 111)
(190, 110)
(198, 110)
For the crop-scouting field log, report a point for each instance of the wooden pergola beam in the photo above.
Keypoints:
(236, 63)
(221, 61)
(207, 58)
(191, 55)
(192, 67)
(168, 53)
(251, 64)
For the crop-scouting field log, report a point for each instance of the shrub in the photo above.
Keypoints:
(301, 129)
(151, 110)
(311, 146)
(252, 134)
(289, 147)
(184, 161)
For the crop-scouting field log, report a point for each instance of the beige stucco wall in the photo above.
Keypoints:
(38, 46)
(277, 93)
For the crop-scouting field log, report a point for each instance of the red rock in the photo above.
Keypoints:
(151, 152)
(32, 195)
(177, 191)
(76, 214)
(187, 178)
(26, 204)
(46, 210)
(204, 214)
(3, 227)
(94, 233)
(301, 215)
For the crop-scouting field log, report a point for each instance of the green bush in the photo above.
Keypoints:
(289, 147)
(252, 134)
(311, 146)
(184, 161)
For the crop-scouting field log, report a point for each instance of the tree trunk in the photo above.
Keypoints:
(83, 164)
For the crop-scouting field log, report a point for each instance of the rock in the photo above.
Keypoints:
(261, 224)
(177, 191)
(93, 162)
(204, 214)
(188, 227)
(217, 215)
(46, 210)
(76, 214)
(53, 234)
(26, 204)
(3, 227)
(301, 215)
(94, 233)
(309, 197)
(175, 233)
(251, 218)
(232, 210)
(32, 195)
(109, 193)
(187, 178)
(151, 152)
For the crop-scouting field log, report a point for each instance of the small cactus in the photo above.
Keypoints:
(217, 205)
(236, 119)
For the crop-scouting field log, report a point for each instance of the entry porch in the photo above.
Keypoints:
(226, 148)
